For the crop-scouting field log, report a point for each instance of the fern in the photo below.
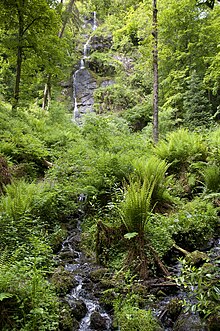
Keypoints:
(153, 170)
(181, 147)
(212, 178)
(136, 207)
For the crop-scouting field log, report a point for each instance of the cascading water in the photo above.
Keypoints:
(94, 21)
(76, 112)
(81, 267)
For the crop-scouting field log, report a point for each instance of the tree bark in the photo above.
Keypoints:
(155, 73)
(19, 60)
(47, 93)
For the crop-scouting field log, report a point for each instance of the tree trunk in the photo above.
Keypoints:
(19, 60)
(47, 93)
(18, 78)
(47, 89)
(155, 73)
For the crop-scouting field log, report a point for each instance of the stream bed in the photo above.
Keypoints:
(83, 298)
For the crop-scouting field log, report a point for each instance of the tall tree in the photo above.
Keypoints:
(189, 38)
(155, 71)
(25, 23)
(67, 14)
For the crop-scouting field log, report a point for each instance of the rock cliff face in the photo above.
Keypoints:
(84, 81)
(84, 86)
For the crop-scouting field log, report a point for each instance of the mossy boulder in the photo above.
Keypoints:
(214, 322)
(98, 322)
(189, 322)
(98, 274)
(63, 280)
(197, 258)
(66, 320)
(78, 308)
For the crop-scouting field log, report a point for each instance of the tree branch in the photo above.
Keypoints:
(29, 25)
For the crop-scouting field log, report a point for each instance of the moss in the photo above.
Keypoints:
(67, 322)
(63, 280)
(197, 258)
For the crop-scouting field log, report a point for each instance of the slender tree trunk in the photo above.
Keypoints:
(19, 60)
(155, 73)
(47, 89)
(18, 78)
(47, 93)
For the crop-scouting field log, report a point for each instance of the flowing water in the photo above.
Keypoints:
(81, 267)
(82, 66)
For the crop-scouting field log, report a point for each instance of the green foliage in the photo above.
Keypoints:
(23, 285)
(159, 234)
(136, 207)
(130, 317)
(188, 46)
(212, 178)
(194, 225)
(153, 170)
(139, 115)
(196, 107)
(115, 97)
(103, 64)
(28, 209)
(181, 148)
(203, 286)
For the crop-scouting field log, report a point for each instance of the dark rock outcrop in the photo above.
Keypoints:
(189, 322)
(97, 321)
(78, 308)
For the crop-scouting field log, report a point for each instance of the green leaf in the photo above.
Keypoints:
(5, 296)
(130, 235)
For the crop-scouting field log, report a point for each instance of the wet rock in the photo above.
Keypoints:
(68, 255)
(84, 86)
(67, 322)
(214, 323)
(174, 308)
(189, 322)
(171, 312)
(197, 258)
(63, 280)
(101, 42)
(97, 321)
(66, 84)
(98, 274)
(78, 308)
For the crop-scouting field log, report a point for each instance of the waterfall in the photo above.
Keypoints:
(82, 66)
(94, 21)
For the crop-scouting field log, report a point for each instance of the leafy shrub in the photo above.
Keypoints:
(202, 284)
(194, 225)
(26, 209)
(103, 63)
(181, 148)
(212, 178)
(159, 234)
(114, 97)
(28, 300)
(138, 116)
(132, 318)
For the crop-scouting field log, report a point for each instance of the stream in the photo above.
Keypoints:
(90, 314)
(83, 298)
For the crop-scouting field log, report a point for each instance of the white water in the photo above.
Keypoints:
(81, 268)
(76, 113)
